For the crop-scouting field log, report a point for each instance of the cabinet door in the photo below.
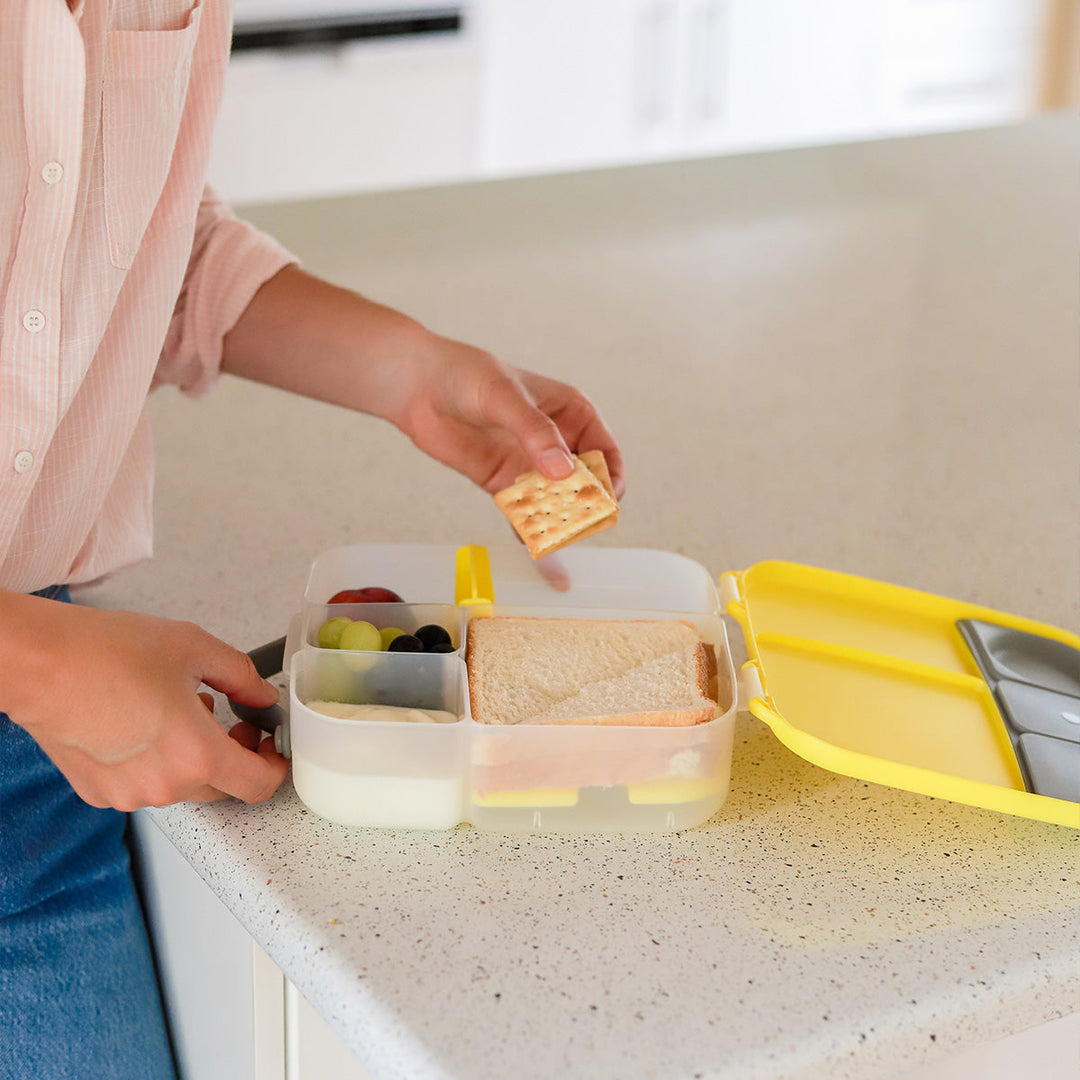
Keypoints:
(232, 1014)
(579, 83)
(205, 963)
(314, 1051)
(576, 83)
(800, 73)
(953, 63)
(385, 113)
(703, 77)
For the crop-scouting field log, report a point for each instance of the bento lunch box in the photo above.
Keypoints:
(867, 679)
(523, 778)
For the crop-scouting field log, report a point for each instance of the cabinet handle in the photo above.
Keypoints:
(709, 32)
(315, 32)
(655, 46)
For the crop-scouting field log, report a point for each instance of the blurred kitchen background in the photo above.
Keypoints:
(834, 238)
(333, 97)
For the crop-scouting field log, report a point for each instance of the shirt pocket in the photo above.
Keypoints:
(149, 187)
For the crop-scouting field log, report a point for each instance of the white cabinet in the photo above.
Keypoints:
(313, 1050)
(801, 73)
(577, 83)
(334, 119)
(528, 86)
(561, 83)
(232, 1014)
(951, 63)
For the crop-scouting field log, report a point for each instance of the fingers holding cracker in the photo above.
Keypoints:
(596, 463)
(549, 514)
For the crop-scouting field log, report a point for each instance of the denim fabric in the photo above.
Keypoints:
(78, 994)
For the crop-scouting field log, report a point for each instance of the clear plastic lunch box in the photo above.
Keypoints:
(871, 680)
(523, 778)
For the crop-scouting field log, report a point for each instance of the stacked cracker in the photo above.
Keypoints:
(549, 514)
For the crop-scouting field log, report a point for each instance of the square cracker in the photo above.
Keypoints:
(596, 463)
(548, 514)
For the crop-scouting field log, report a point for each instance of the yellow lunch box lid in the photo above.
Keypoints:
(916, 691)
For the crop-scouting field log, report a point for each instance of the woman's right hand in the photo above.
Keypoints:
(113, 698)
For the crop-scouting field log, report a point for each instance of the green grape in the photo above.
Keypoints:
(388, 633)
(330, 632)
(361, 635)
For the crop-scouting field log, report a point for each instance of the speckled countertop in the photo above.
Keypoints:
(862, 358)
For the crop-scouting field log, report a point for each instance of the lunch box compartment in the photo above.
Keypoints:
(407, 617)
(598, 577)
(363, 772)
(1036, 682)
(581, 778)
(1003, 652)
(605, 778)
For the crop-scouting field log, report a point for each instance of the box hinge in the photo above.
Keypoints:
(730, 595)
(750, 684)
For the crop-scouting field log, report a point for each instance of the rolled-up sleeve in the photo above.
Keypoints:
(230, 260)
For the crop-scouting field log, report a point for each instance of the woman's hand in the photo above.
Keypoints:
(494, 422)
(457, 403)
(112, 697)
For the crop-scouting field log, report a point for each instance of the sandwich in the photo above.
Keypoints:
(633, 672)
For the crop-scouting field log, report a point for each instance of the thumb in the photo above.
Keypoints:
(511, 408)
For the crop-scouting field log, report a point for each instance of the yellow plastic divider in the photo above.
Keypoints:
(472, 576)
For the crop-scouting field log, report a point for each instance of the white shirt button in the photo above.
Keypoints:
(34, 320)
(24, 461)
(52, 172)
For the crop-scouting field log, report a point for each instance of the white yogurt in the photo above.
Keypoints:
(399, 714)
(406, 802)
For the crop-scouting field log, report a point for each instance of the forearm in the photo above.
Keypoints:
(303, 334)
(463, 406)
(28, 632)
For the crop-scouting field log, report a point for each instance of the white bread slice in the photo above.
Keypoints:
(532, 670)
(677, 682)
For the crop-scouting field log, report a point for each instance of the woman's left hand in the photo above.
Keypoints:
(493, 422)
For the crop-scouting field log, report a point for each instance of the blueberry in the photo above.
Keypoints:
(442, 647)
(432, 635)
(406, 643)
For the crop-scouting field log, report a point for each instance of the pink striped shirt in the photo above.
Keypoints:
(119, 270)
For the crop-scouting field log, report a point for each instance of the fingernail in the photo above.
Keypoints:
(556, 463)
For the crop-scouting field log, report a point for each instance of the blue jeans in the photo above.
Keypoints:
(78, 995)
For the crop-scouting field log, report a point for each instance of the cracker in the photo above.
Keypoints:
(548, 514)
(596, 463)
(592, 530)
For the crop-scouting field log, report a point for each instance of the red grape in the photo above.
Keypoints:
(372, 594)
